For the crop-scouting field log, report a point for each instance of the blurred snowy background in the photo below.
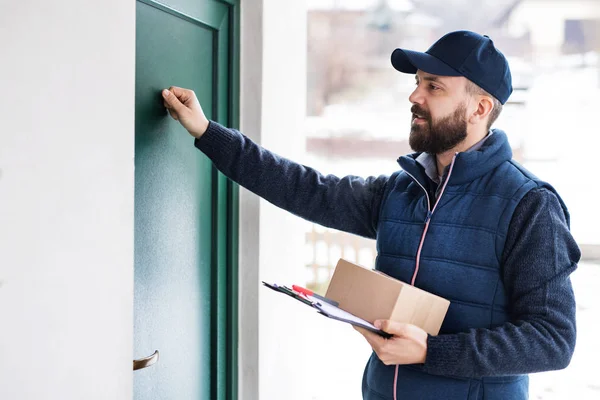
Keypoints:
(358, 123)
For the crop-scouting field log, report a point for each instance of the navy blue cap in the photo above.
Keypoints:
(461, 53)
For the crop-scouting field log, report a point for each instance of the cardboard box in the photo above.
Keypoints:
(372, 295)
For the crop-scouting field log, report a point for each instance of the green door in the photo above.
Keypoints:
(185, 211)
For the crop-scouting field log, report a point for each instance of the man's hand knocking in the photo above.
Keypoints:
(407, 346)
(184, 107)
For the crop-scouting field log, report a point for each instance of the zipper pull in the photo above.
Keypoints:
(428, 217)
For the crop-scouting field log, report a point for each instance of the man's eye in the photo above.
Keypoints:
(433, 87)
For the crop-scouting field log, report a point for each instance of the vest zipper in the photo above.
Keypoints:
(426, 195)
(427, 219)
(430, 212)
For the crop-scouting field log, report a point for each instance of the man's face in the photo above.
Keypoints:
(439, 120)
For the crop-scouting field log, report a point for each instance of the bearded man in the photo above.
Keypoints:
(460, 219)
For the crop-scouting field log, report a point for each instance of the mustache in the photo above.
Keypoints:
(415, 109)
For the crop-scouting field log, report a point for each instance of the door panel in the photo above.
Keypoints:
(184, 209)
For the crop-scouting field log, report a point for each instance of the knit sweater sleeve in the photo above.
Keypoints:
(539, 256)
(349, 204)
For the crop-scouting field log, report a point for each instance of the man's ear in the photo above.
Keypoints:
(485, 105)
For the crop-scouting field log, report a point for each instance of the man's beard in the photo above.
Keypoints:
(436, 137)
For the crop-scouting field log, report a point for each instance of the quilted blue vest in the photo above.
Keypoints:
(460, 260)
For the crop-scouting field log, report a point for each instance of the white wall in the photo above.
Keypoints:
(273, 98)
(283, 359)
(66, 199)
(251, 50)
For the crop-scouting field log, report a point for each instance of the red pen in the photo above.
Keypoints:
(309, 292)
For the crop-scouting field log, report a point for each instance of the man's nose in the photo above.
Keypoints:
(416, 96)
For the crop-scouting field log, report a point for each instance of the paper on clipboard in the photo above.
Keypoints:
(337, 313)
(328, 310)
(332, 311)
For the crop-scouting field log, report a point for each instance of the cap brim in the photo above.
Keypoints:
(409, 62)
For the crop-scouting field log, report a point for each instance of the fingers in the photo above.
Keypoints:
(184, 95)
(381, 346)
(172, 112)
(185, 108)
(172, 102)
(177, 91)
(374, 339)
(393, 327)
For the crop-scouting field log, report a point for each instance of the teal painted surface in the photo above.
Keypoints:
(233, 212)
(173, 205)
(210, 12)
(185, 211)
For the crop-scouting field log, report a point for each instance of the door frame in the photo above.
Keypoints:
(225, 265)
(225, 221)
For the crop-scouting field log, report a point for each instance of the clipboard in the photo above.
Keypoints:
(327, 309)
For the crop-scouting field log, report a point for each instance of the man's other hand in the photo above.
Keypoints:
(184, 107)
(407, 346)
